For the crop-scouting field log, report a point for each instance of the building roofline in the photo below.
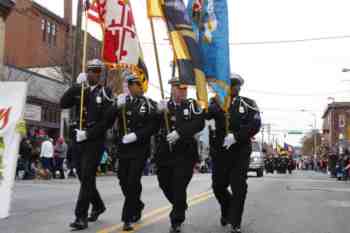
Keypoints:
(34, 73)
(335, 105)
(49, 13)
(6, 6)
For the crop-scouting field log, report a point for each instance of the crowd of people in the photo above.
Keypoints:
(42, 157)
(335, 164)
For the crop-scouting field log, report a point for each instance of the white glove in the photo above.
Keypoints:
(82, 77)
(81, 135)
(121, 100)
(229, 140)
(129, 138)
(162, 106)
(173, 137)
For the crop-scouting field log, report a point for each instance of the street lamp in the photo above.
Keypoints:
(314, 129)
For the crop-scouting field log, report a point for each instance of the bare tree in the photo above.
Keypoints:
(308, 143)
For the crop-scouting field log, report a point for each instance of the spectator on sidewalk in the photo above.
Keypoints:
(46, 156)
(60, 155)
(26, 154)
(70, 162)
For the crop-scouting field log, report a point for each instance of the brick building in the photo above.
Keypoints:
(39, 45)
(336, 124)
(37, 37)
(5, 8)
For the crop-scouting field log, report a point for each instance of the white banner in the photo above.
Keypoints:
(12, 102)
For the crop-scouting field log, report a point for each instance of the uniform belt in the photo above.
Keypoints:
(90, 124)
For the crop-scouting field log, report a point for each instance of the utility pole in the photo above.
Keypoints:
(262, 136)
(77, 43)
(269, 133)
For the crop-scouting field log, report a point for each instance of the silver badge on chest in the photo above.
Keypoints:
(143, 109)
(98, 99)
(241, 109)
(186, 112)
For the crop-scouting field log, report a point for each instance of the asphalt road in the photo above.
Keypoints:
(304, 202)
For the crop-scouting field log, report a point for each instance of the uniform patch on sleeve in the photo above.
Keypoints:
(257, 116)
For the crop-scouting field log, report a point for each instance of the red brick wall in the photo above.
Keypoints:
(24, 46)
(332, 136)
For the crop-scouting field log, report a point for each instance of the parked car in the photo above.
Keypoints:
(257, 160)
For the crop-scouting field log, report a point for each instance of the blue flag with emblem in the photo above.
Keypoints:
(210, 21)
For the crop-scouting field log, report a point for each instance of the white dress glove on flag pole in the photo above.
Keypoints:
(129, 138)
(81, 135)
(229, 140)
(173, 137)
(121, 100)
(162, 106)
(82, 77)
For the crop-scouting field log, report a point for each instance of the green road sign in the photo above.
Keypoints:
(295, 132)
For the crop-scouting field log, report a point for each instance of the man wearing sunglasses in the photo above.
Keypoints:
(88, 142)
(135, 117)
(177, 150)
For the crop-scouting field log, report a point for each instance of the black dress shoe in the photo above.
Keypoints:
(223, 221)
(235, 230)
(95, 214)
(175, 228)
(79, 224)
(138, 216)
(127, 227)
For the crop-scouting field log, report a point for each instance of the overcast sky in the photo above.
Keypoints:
(282, 77)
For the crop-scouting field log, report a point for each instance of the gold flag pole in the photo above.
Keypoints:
(166, 120)
(83, 70)
(227, 114)
(159, 73)
(124, 120)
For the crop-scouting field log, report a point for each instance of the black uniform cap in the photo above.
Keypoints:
(175, 81)
(236, 79)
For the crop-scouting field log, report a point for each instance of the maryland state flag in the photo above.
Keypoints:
(183, 40)
(121, 46)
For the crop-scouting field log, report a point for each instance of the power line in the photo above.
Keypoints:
(263, 109)
(297, 94)
(289, 41)
(315, 94)
(311, 39)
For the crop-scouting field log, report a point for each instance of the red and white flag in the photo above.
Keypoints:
(121, 44)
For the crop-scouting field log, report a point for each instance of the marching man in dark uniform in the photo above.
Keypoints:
(177, 150)
(136, 120)
(231, 152)
(89, 141)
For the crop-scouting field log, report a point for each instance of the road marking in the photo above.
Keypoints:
(315, 188)
(158, 214)
(342, 204)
